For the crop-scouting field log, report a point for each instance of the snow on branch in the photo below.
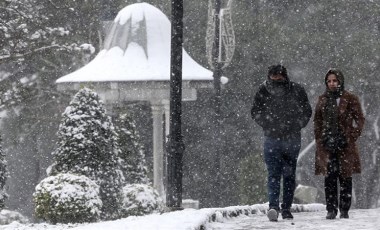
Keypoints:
(40, 49)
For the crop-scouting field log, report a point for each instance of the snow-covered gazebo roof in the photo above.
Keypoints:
(136, 54)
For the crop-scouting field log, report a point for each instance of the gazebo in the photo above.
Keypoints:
(134, 65)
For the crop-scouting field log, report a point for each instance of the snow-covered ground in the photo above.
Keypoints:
(359, 219)
(306, 217)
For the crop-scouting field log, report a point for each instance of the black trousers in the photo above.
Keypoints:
(331, 188)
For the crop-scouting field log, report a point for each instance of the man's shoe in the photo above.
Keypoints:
(331, 215)
(272, 214)
(344, 215)
(286, 214)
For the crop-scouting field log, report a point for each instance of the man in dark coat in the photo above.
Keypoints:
(281, 107)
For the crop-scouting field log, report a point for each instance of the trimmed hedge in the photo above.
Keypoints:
(140, 199)
(67, 198)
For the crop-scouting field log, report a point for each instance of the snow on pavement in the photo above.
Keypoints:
(310, 217)
(359, 219)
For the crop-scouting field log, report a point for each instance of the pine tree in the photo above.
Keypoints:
(3, 176)
(41, 40)
(88, 146)
(132, 153)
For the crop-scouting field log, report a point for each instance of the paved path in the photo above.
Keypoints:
(359, 219)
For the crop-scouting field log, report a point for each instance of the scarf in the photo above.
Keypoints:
(333, 138)
(331, 113)
(277, 88)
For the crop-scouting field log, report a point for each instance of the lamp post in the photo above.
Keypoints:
(175, 142)
(217, 63)
(220, 44)
(217, 100)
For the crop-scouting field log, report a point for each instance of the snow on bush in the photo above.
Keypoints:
(67, 198)
(7, 217)
(140, 199)
(132, 152)
(3, 176)
(87, 145)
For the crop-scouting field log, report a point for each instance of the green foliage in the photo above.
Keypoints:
(8, 217)
(67, 198)
(88, 146)
(40, 41)
(140, 199)
(3, 176)
(252, 177)
(132, 153)
(38, 45)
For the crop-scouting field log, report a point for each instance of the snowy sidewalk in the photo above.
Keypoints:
(231, 218)
(359, 219)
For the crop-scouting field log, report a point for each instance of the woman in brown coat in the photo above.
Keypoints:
(338, 123)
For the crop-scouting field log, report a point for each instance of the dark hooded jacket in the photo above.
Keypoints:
(282, 109)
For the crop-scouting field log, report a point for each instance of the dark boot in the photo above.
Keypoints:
(344, 215)
(331, 215)
(286, 214)
(345, 194)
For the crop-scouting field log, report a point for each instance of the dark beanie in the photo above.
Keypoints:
(339, 76)
(277, 69)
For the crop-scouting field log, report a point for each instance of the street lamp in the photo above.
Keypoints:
(220, 42)
(175, 142)
(220, 46)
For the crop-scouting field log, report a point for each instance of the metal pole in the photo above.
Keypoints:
(175, 142)
(217, 65)
(217, 100)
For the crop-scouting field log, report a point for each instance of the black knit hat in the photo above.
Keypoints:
(339, 76)
(277, 69)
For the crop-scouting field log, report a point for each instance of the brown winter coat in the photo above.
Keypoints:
(351, 121)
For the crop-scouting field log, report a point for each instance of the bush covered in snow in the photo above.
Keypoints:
(140, 199)
(132, 154)
(88, 146)
(67, 198)
(7, 217)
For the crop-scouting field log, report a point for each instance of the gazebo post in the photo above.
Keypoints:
(167, 118)
(158, 150)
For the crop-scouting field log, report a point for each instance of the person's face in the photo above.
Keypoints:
(332, 82)
(277, 77)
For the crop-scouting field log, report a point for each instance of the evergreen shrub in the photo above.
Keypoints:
(87, 145)
(132, 154)
(140, 199)
(67, 198)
